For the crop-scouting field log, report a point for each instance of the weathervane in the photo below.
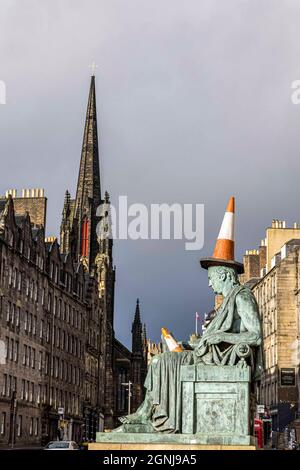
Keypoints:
(93, 67)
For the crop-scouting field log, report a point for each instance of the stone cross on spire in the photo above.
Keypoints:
(93, 67)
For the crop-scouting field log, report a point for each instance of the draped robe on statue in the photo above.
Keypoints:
(163, 379)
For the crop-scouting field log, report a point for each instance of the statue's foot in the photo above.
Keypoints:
(134, 418)
(119, 429)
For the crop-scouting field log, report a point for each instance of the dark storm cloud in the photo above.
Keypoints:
(193, 106)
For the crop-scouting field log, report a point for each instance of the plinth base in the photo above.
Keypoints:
(158, 441)
(126, 446)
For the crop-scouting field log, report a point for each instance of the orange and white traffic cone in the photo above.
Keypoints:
(223, 254)
(171, 342)
(224, 248)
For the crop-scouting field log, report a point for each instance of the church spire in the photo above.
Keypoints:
(88, 194)
(137, 330)
(89, 172)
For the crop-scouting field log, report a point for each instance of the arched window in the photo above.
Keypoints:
(122, 390)
(85, 238)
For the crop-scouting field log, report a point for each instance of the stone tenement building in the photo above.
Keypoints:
(273, 273)
(60, 364)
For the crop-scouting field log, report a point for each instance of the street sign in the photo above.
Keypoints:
(60, 411)
(260, 409)
(288, 377)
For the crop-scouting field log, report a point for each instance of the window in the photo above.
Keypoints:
(30, 323)
(26, 321)
(47, 364)
(8, 312)
(48, 333)
(18, 316)
(31, 392)
(12, 313)
(24, 355)
(31, 427)
(51, 269)
(9, 275)
(56, 366)
(64, 311)
(62, 370)
(16, 355)
(8, 390)
(49, 302)
(34, 325)
(7, 347)
(3, 423)
(14, 384)
(31, 289)
(36, 426)
(39, 394)
(4, 387)
(41, 329)
(23, 390)
(19, 426)
(33, 358)
(28, 358)
(40, 360)
(11, 349)
(15, 277)
(122, 395)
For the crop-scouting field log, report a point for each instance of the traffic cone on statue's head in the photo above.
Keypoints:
(223, 254)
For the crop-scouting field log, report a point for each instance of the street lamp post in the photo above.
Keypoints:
(128, 384)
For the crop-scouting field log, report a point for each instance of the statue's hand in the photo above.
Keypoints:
(214, 338)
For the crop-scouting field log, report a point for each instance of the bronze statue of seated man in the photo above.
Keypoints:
(233, 337)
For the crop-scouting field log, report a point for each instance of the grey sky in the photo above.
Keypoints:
(193, 106)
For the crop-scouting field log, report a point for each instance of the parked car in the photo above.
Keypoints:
(61, 445)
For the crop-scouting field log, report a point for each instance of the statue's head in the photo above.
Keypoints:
(221, 278)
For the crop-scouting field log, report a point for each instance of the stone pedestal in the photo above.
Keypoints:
(216, 402)
(215, 415)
